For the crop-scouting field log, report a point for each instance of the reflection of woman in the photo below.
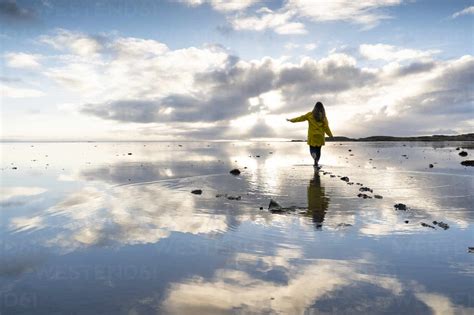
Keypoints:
(317, 126)
(317, 201)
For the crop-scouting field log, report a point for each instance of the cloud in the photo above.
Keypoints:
(290, 17)
(144, 82)
(466, 11)
(365, 13)
(14, 92)
(75, 42)
(393, 53)
(19, 191)
(442, 305)
(223, 5)
(229, 289)
(22, 60)
(268, 19)
(12, 12)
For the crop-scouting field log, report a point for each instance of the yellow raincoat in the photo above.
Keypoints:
(316, 129)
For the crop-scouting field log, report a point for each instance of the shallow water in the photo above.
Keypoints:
(87, 228)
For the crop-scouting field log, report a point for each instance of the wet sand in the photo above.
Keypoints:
(114, 228)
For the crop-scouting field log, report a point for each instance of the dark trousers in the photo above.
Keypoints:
(315, 153)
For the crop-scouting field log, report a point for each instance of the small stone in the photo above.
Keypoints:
(332, 175)
(443, 225)
(406, 221)
(463, 153)
(345, 178)
(400, 206)
(261, 208)
(129, 153)
(435, 222)
(365, 196)
(378, 197)
(366, 189)
(468, 163)
(274, 206)
(349, 150)
(257, 156)
(196, 191)
(458, 148)
(235, 171)
(427, 225)
(234, 197)
(14, 168)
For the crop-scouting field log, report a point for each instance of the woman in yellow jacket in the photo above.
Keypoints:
(317, 127)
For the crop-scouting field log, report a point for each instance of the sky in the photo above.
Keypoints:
(214, 69)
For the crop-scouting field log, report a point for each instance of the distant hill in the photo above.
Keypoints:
(463, 137)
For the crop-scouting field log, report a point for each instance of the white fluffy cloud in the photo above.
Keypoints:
(223, 5)
(291, 16)
(466, 11)
(265, 19)
(361, 12)
(74, 42)
(142, 81)
(17, 92)
(393, 53)
(22, 60)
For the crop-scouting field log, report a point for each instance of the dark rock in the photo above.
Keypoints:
(129, 153)
(345, 178)
(234, 197)
(261, 208)
(364, 196)
(458, 148)
(366, 189)
(274, 206)
(196, 191)
(378, 197)
(427, 225)
(235, 172)
(332, 175)
(406, 221)
(400, 206)
(468, 163)
(14, 168)
(350, 183)
(431, 165)
(257, 156)
(349, 150)
(442, 225)
(463, 153)
(470, 249)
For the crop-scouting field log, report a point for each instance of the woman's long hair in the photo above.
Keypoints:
(318, 112)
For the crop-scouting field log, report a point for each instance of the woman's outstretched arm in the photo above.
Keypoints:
(327, 130)
(299, 119)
